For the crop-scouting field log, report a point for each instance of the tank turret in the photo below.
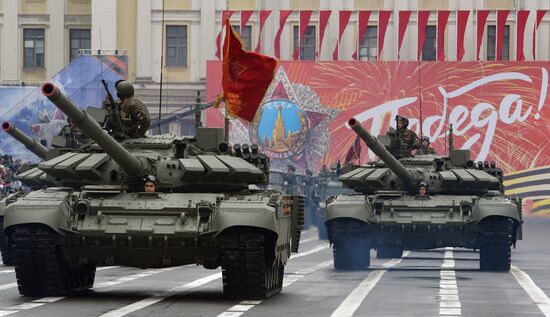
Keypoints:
(405, 175)
(132, 165)
(31, 144)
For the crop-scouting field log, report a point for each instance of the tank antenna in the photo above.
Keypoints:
(161, 68)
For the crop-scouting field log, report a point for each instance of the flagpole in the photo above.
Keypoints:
(226, 119)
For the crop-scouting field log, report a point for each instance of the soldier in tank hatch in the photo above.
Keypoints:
(425, 147)
(423, 189)
(403, 140)
(134, 114)
(150, 184)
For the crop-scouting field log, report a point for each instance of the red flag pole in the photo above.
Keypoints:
(226, 119)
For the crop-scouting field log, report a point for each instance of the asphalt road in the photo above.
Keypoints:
(443, 282)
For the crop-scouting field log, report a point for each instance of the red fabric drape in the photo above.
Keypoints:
(442, 18)
(502, 15)
(481, 20)
(404, 17)
(245, 16)
(520, 33)
(423, 17)
(305, 16)
(219, 37)
(540, 15)
(343, 19)
(323, 20)
(283, 16)
(461, 29)
(264, 14)
(383, 19)
(363, 23)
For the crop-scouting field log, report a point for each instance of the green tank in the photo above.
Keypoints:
(328, 188)
(464, 207)
(203, 212)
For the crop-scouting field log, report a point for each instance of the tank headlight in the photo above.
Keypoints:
(81, 207)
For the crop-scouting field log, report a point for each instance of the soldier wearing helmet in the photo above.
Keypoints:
(425, 147)
(403, 140)
(134, 113)
(423, 189)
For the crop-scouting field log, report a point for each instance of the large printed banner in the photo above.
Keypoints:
(498, 110)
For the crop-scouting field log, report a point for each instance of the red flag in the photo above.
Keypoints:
(540, 15)
(363, 23)
(520, 33)
(323, 20)
(442, 17)
(502, 15)
(343, 22)
(423, 17)
(481, 20)
(283, 16)
(354, 152)
(264, 14)
(305, 16)
(219, 38)
(383, 19)
(404, 17)
(246, 76)
(461, 29)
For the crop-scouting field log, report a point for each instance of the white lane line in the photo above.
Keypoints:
(6, 271)
(309, 239)
(123, 311)
(358, 295)
(7, 286)
(246, 305)
(537, 295)
(449, 301)
(314, 250)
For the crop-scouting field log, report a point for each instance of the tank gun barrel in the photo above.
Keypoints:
(392, 163)
(129, 163)
(31, 144)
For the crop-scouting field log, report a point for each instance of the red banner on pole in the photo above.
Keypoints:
(363, 24)
(283, 16)
(404, 17)
(264, 14)
(502, 16)
(520, 33)
(540, 15)
(305, 16)
(219, 37)
(343, 19)
(442, 18)
(462, 21)
(323, 20)
(383, 19)
(423, 17)
(481, 20)
(245, 16)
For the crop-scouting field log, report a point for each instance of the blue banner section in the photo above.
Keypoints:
(36, 116)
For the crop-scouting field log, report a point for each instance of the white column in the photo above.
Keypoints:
(11, 40)
(331, 32)
(104, 21)
(143, 41)
(205, 38)
(56, 50)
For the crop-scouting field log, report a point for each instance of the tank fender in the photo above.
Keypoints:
(255, 215)
(355, 209)
(52, 212)
(487, 208)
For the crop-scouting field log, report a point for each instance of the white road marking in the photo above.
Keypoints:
(123, 311)
(314, 250)
(449, 301)
(7, 286)
(309, 239)
(358, 295)
(6, 271)
(244, 306)
(537, 295)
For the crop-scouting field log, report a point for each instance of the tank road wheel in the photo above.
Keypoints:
(40, 267)
(495, 241)
(7, 259)
(350, 244)
(248, 272)
(389, 252)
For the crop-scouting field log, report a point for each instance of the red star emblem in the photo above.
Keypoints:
(235, 69)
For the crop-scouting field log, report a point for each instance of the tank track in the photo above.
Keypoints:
(495, 242)
(40, 267)
(389, 252)
(247, 272)
(7, 258)
(350, 244)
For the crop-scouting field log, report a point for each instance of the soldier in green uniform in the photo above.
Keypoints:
(403, 140)
(425, 147)
(134, 114)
